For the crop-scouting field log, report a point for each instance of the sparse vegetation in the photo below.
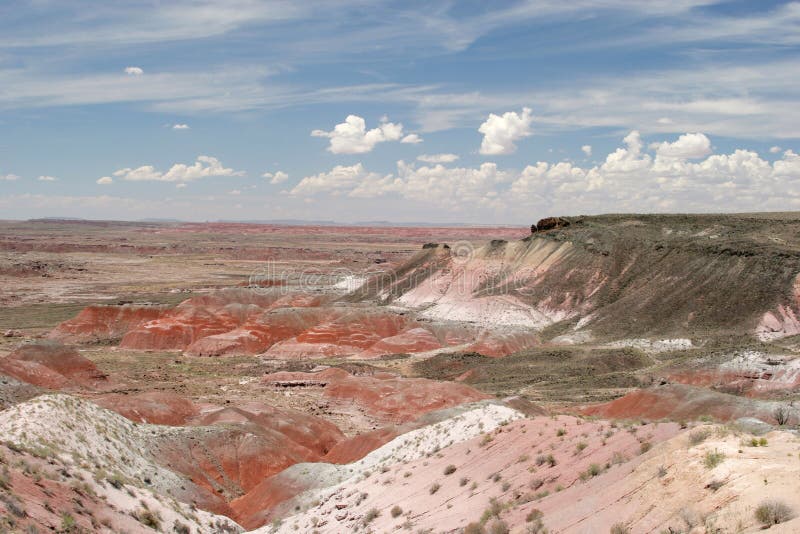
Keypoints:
(781, 415)
(713, 459)
(148, 518)
(370, 516)
(619, 528)
(434, 488)
(450, 469)
(773, 512)
(396, 511)
(696, 437)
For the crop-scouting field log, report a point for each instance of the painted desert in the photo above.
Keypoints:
(620, 373)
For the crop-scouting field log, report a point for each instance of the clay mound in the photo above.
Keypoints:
(345, 335)
(154, 407)
(261, 332)
(46, 500)
(230, 460)
(682, 402)
(748, 373)
(409, 341)
(104, 323)
(52, 366)
(385, 396)
(357, 447)
(399, 400)
(235, 321)
(313, 433)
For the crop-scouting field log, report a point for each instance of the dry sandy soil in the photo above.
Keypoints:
(607, 374)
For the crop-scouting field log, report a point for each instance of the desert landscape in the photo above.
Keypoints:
(392, 266)
(620, 373)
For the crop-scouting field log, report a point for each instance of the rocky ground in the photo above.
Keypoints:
(603, 374)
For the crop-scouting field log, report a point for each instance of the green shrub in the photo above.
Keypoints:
(773, 512)
(713, 459)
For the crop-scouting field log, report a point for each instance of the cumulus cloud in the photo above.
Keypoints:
(134, 71)
(774, 149)
(688, 146)
(437, 158)
(105, 180)
(673, 177)
(352, 136)
(204, 167)
(412, 139)
(277, 177)
(587, 149)
(9, 177)
(339, 178)
(47, 178)
(500, 132)
(180, 126)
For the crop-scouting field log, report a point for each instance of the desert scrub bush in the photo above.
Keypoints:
(580, 446)
(434, 488)
(498, 526)
(474, 528)
(450, 469)
(181, 528)
(463, 481)
(773, 512)
(371, 515)
(148, 518)
(619, 528)
(485, 440)
(713, 459)
(697, 437)
(533, 515)
(781, 415)
(505, 486)
(396, 511)
(68, 523)
(561, 432)
(645, 446)
(592, 471)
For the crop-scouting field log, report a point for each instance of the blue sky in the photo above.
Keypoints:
(518, 110)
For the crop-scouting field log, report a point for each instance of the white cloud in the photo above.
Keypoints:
(134, 71)
(180, 127)
(664, 120)
(339, 178)
(412, 139)
(180, 185)
(500, 132)
(105, 180)
(688, 146)
(47, 178)
(277, 177)
(352, 136)
(204, 167)
(587, 149)
(9, 177)
(774, 149)
(235, 192)
(437, 158)
(628, 180)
